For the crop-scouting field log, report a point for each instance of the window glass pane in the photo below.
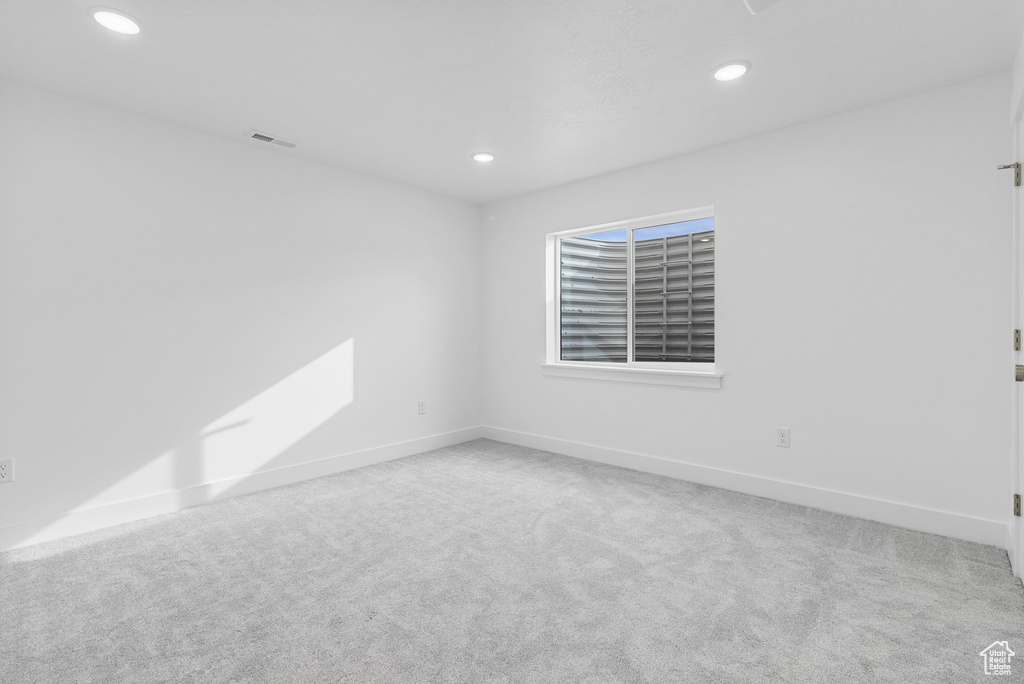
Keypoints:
(593, 294)
(674, 292)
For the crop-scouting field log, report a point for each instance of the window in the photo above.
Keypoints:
(635, 295)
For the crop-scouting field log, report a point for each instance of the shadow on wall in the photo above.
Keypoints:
(245, 440)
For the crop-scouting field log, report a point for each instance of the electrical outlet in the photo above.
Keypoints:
(782, 437)
(421, 406)
(6, 470)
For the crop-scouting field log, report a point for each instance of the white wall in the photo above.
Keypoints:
(154, 281)
(161, 292)
(863, 294)
(1017, 84)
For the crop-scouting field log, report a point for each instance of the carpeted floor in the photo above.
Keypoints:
(486, 562)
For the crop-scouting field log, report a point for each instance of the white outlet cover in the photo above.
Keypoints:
(6, 470)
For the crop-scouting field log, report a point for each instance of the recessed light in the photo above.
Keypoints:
(483, 156)
(731, 71)
(115, 21)
(705, 239)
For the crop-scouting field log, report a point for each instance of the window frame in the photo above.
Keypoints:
(686, 373)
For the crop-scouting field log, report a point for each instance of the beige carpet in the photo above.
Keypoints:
(486, 562)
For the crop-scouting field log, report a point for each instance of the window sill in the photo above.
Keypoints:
(643, 376)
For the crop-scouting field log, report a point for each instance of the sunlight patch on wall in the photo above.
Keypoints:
(211, 461)
(246, 438)
(155, 476)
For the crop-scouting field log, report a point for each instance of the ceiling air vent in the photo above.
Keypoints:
(266, 137)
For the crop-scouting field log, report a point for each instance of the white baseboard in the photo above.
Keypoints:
(1012, 551)
(87, 520)
(990, 532)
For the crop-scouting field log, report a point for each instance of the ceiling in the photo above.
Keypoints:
(558, 90)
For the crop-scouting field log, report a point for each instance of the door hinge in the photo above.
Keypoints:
(1016, 340)
(1016, 505)
(1016, 172)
